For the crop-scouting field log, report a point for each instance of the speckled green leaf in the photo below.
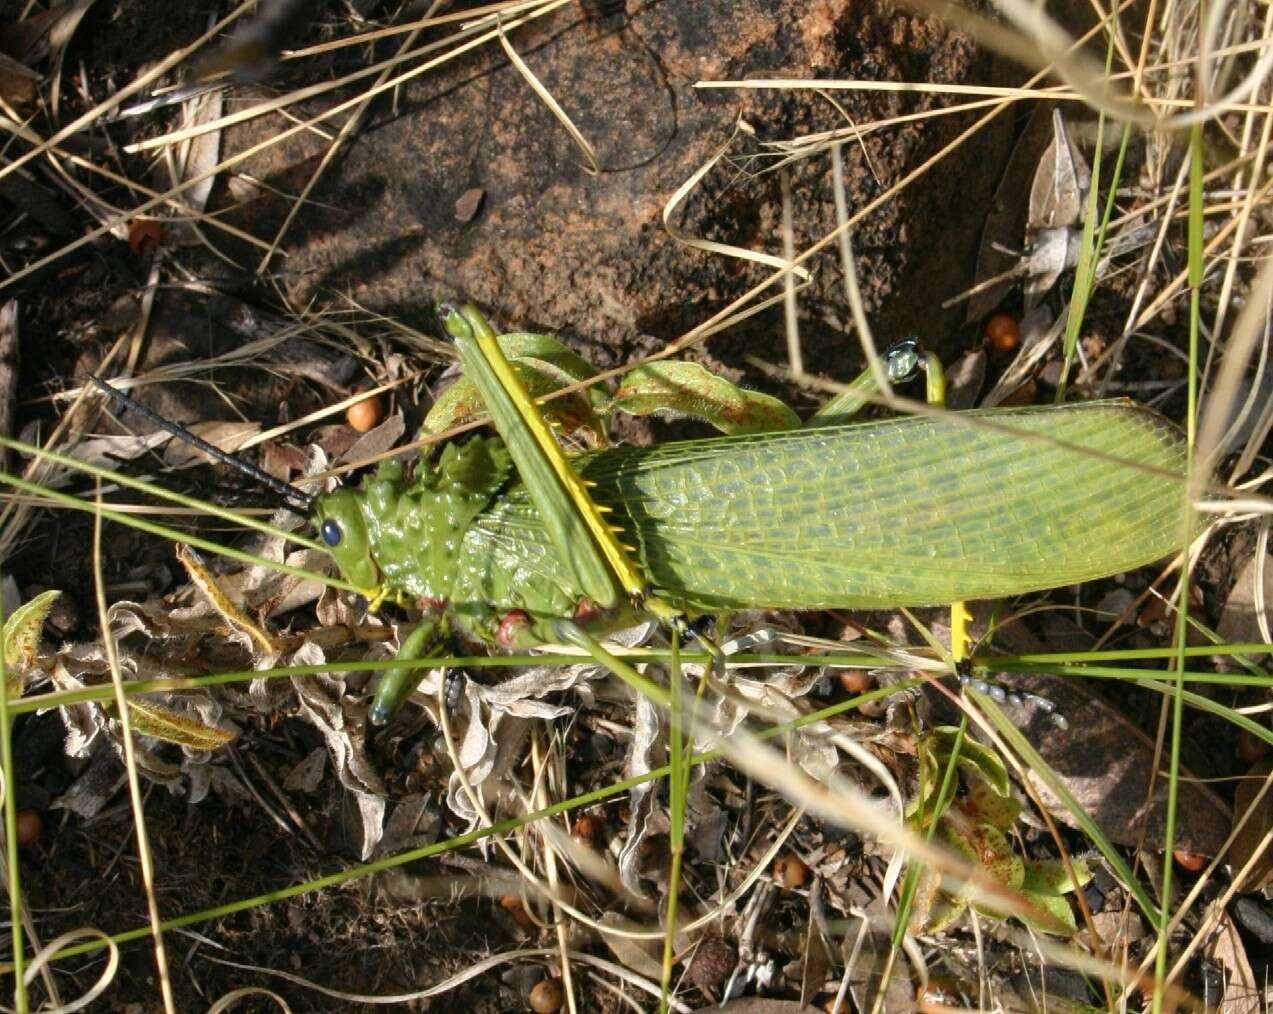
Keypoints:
(984, 805)
(928, 781)
(934, 909)
(1051, 877)
(552, 369)
(22, 637)
(975, 758)
(689, 389)
(546, 349)
(982, 769)
(1045, 884)
(151, 719)
(1058, 908)
(989, 848)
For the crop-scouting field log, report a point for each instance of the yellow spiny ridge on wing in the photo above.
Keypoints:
(630, 577)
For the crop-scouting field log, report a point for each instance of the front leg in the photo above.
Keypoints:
(397, 684)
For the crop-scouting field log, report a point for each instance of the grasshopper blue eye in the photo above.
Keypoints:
(330, 531)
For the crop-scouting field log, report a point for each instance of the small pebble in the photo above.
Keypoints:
(1255, 916)
(1094, 898)
(1251, 747)
(468, 204)
(1023, 395)
(1117, 602)
(1050, 374)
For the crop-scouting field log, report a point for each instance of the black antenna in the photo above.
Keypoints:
(287, 491)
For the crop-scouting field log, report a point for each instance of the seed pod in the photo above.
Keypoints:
(366, 414)
(1003, 333)
(546, 997)
(856, 681)
(1191, 861)
(711, 964)
(790, 871)
(29, 824)
(585, 830)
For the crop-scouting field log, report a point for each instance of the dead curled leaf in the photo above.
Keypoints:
(809, 747)
(644, 754)
(107, 452)
(308, 774)
(18, 84)
(1239, 619)
(377, 440)
(1253, 808)
(192, 719)
(322, 701)
(228, 436)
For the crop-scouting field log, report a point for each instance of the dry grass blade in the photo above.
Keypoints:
(537, 86)
(467, 37)
(347, 130)
(134, 784)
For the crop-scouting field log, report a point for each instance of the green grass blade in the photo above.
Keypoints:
(12, 868)
(243, 520)
(172, 534)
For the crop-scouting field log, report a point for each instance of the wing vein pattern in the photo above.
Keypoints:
(907, 511)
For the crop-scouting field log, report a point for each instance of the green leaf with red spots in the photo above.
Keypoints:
(1045, 885)
(1049, 876)
(978, 765)
(545, 365)
(151, 719)
(989, 848)
(22, 638)
(934, 909)
(689, 389)
(984, 804)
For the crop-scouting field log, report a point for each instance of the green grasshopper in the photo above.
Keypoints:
(910, 511)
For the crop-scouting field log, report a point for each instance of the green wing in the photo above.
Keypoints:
(584, 541)
(909, 511)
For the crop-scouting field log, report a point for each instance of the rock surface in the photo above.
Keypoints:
(555, 249)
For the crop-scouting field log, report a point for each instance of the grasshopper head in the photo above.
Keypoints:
(340, 525)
